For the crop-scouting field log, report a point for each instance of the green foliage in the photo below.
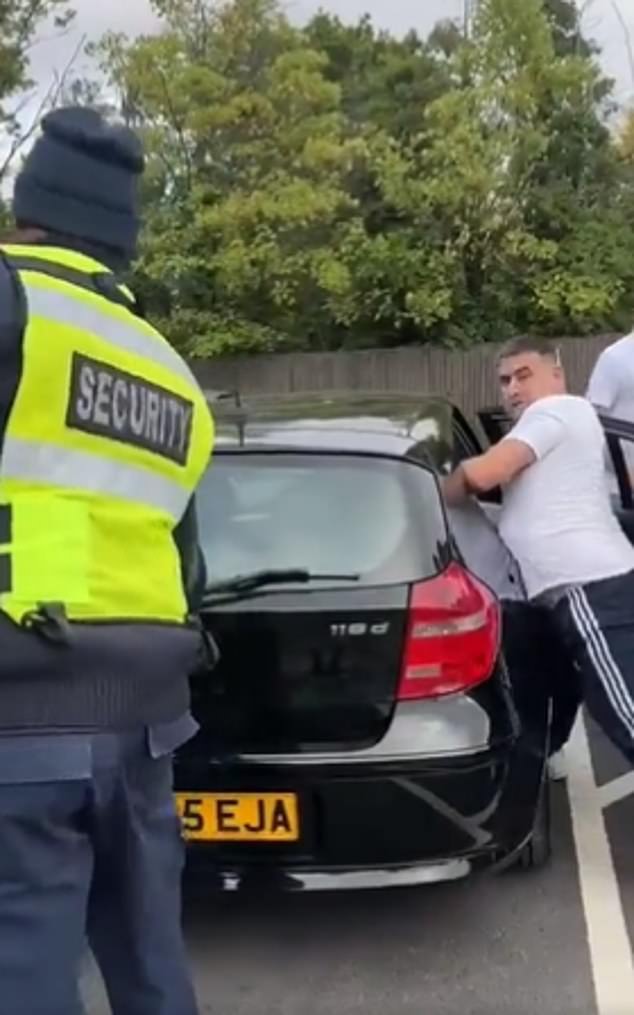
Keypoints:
(384, 81)
(625, 139)
(20, 21)
(333, 186)
(564, 18)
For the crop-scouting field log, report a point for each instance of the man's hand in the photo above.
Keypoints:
(496, 467)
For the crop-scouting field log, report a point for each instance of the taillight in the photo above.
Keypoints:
(453, 633)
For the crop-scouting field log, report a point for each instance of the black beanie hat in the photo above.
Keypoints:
(80, 180)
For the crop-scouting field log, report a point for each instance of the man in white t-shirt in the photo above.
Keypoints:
(611, 391)
(611, 385)
(557, 521)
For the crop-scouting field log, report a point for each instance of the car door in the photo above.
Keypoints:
(473, 524)
(620, 441)
(464, 439)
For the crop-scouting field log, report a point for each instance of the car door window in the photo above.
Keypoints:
(464, 439)
(466, 444)
(495, 423)
(620, 461)
(463, 446)
(474, 530)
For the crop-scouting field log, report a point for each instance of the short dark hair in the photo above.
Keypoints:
(526, 343)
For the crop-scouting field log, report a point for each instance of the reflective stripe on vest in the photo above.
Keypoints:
(107, 439)
(28, 462)
(71, 311)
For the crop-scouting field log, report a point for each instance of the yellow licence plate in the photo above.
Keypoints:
(239, 817)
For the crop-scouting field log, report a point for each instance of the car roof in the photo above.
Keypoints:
(365, 422)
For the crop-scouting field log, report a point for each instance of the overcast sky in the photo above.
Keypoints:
(134, 16)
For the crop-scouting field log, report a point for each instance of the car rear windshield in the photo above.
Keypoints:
(378, 518)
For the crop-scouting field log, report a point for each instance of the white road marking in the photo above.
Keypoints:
(617, 790)
(608, 938)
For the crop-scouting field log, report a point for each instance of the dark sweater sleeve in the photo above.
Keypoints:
(193, 567)
(12, 321)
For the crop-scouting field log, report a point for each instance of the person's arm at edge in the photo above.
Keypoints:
(602, 392)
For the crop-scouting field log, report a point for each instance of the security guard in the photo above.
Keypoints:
(104, 435)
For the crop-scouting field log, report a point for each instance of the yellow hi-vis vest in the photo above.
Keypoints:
(106, 441)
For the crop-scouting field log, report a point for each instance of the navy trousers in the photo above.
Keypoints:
(597, 622)
(90, 847)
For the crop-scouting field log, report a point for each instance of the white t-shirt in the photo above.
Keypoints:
(611, 390)
(611, 386)
(556, 518)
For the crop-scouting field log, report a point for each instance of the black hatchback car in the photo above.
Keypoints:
(381, 711)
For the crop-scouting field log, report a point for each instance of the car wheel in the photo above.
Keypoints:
(538, 850)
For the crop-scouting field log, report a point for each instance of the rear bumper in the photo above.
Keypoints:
(385, 816)
(334, 879)
(412, 825)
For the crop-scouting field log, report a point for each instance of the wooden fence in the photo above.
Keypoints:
(467, 377)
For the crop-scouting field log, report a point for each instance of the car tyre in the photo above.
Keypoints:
(538, 850)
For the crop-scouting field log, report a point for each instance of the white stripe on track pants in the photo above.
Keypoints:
(597, 622)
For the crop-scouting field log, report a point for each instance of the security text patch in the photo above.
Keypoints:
(109, 402)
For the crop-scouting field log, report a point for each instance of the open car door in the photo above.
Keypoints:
(620, 440)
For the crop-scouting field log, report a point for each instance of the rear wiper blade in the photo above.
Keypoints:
(260, 579)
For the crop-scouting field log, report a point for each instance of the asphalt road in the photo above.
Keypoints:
(557, 942)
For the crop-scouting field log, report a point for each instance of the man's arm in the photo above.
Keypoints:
(496, 467)
(540, 429)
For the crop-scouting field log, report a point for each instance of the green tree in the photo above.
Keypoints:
(625, 137)
(579, 196)
(331, 186)
(20, 21)
(564, 17)
(248, 163)
(564, 20)
(385, 82)
(505, 179)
